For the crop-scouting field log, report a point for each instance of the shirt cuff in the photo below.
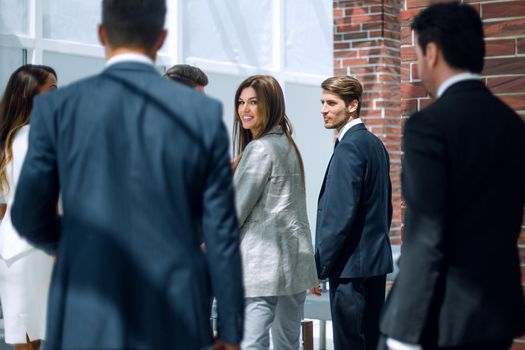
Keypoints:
(397, 345)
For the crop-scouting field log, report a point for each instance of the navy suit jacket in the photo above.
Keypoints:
(355, 209)
(459, 278)
(143, 168)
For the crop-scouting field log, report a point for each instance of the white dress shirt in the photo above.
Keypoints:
(129, 57)
(347, 127)
(456, 79)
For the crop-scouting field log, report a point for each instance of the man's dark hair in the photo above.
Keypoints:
(187, 75)
(133, 23)
(457, 30)
(346, 87)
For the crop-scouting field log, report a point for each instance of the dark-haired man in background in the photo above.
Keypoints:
(143, 168)
(459, 282)
(188, 75)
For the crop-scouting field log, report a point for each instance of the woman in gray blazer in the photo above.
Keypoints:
(276, 246)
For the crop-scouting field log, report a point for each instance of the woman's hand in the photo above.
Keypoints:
(317, 289)
(235, 162)
(220, 345)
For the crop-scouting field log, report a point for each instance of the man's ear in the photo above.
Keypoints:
(161, 40)
(432, 54)
(352, 107)
(102, 35)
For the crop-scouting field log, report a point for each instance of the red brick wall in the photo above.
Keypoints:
(374, 43)
(366, 46)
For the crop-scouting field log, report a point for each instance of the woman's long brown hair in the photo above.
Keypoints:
(271, 106)
(15, 109)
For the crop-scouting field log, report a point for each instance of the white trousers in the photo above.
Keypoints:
(282, 314)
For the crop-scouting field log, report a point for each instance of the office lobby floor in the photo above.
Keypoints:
(328, 345)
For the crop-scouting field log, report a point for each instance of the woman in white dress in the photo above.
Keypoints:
(276, 245)
(25, 272)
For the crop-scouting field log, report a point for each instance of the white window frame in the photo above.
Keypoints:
(278, 55)
(36, 44)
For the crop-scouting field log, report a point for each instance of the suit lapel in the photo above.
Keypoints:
(353, 129)
(324, 180)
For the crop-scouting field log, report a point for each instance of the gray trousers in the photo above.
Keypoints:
(282, 314)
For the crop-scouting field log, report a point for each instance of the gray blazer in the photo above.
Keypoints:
(276, 245)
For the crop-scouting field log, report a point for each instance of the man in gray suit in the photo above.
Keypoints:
(143, 168)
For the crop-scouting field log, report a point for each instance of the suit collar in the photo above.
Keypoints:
(457, 78)
(127, 66)
(129, 57)
(464, 85)
(353, 129)
(348, 126)
(275, 130)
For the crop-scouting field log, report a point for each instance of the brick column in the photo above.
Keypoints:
(504, 73)
(366, 46)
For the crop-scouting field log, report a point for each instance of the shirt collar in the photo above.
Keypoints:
(348, 126)
(129, 57)
(456, 79)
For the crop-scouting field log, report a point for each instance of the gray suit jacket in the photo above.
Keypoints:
(276, 244)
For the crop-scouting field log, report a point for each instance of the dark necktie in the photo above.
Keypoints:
(336, 143)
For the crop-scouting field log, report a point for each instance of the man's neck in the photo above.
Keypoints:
(453, 79)
(442, 75)
(352, 122)
(110, 53)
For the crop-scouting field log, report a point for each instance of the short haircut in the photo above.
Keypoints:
(346, 87)
(133, 23)
(187, 75)
(457, 30)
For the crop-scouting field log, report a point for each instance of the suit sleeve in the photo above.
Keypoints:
(221, 234)
(251, 178)
(425, 189)
(340, 201)
(34, 211)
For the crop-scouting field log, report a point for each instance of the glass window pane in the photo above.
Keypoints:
(75, 21)
(10, 60)
(236, 31)
(14, 17)
(309, 31)
(303, 109)
(70, 68)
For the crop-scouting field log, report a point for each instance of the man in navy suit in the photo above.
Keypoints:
(353, 220)
(459, 282)
(143, 167)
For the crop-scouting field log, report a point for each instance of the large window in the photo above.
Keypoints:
(229, 40)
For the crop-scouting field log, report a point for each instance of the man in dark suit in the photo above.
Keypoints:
(143, 167)
(459, 284)
(353, 219)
